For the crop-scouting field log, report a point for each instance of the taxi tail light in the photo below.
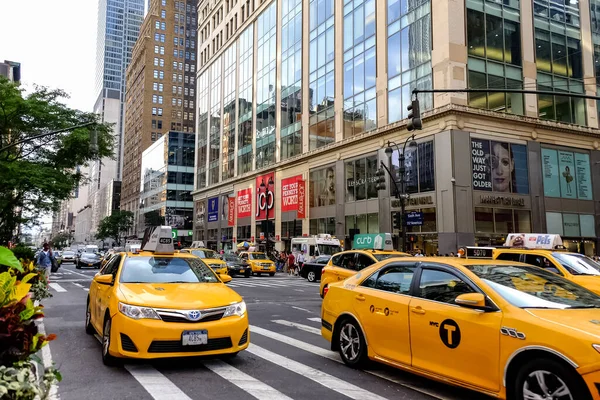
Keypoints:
(325, 290)
(322, 271)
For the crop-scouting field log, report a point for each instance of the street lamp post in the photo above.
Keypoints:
(401, 194)
(268, 206)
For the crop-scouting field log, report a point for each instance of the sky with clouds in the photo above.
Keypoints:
(55, 42)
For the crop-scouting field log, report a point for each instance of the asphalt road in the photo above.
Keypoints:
(287, 358)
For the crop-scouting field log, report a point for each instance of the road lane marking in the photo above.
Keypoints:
(84, 275)
(86, 289)
(302, 309)
(329, 381)
(155, 383)
(47, 361)
(59, 279)
(314, 319)
(77, 284)
(244, 381)
(57, 287)
(299, 290)
(302, 327)
(319, 351)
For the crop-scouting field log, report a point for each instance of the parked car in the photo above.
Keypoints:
(312, 270)
(237, 266)
(90, 260)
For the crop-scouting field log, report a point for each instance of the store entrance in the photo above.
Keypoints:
(585, 246)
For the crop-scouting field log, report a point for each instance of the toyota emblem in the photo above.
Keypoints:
(194, 315)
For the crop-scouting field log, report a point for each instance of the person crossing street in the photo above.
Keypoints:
(45, 260)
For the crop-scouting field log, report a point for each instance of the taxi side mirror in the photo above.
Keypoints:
(106, 279)
(472, 300)
(225, 278)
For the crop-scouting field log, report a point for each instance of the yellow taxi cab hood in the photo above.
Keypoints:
(260, 260)
(178, 295)
(213, 261)
(585, 320)
(590, 282)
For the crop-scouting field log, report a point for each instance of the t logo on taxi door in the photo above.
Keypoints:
(450, 333)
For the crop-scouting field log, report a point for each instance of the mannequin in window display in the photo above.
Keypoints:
(503, 167)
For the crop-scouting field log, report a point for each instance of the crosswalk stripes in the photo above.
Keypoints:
(156, 384)
(302, 327)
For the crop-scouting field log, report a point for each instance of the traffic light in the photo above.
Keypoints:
(398, 221)
(414, 116)
(380, 179)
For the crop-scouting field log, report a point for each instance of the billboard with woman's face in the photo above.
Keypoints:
(499, 166)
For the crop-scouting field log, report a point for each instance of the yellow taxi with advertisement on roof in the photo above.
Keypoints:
(158, 303)
(258, 262)
(210, 257)
(367, 249)
(503, 328)
(547, 251)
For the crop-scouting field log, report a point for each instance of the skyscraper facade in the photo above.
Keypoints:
(119, 23)
(306, 94)
(160, 98)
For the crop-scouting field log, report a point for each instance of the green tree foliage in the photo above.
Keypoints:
(115, 226)
(153, 218)
(38, 174)
(60, 240)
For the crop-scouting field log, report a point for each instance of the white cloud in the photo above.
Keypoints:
(55, 42)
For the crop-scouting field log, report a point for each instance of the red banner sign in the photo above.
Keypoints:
(265, 196)
(301, 199)
(289, 193)
(231, 211)
(244, 203)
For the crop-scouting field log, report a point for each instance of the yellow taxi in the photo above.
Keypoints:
(210, 257)
(365, 253)
(159, 303)
(546, 251)
(259, 262)
(503, 328)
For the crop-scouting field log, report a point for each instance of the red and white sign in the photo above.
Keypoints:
(231, 211)
(265, 196)
(301, 199)
(244, 203)
(289, 193)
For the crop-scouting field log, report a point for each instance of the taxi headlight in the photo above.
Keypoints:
(216, 266)
(238, 309)
(137, 312)
(596, 347)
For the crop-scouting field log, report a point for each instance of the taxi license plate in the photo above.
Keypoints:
(242, 271)
(194, 338)
(90, 265)
(267, 268)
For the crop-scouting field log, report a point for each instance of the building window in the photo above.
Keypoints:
(409, 56)
(319, 225)
(245, 73)
(322, 74)
(501, 220)
(494, 46)
(291, 78)
(419, 169)
(322, 187)
(215, 122)
(163, 14)
(360, 67)
(360, 180)
(229, 111)
(364, 223)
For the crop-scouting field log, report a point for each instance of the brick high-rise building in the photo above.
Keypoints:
(160, 88)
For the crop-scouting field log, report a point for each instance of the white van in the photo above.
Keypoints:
(317, 245)
(90, 248)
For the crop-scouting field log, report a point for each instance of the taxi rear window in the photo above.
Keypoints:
(166, 270)
(381, 257)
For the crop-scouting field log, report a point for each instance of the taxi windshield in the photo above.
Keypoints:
(166, 270)
(257, 256)
(577, 264)
(232, 257)
(204, 253)
(328, 250)
(381, 257)
(532, 287)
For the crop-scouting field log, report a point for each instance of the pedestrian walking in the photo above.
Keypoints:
(290, 263)
(45, 261)
(299, 262)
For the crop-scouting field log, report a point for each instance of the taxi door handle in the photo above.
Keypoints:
(418, 310)
(360, 297)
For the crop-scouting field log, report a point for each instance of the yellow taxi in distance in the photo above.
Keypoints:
(210, 257)
(503, 328)
(158, 303)
(345, 264)
(533, 249)
(259, 262)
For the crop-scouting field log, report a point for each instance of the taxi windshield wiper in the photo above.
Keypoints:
(585, 306)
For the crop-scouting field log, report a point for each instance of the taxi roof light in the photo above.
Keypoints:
(537, 241)
(158, 239)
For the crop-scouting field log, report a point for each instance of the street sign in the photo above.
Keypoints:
(174, 233)
(414, 218)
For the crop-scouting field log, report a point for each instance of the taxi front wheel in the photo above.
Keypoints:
(351, 344)
(548, 379)
(89, 328)
(107, 359)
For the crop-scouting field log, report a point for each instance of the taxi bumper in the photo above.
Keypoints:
(592, 380)
(149, 338)
(263, 268)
